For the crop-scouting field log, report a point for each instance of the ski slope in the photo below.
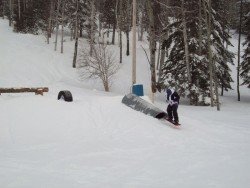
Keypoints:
(96, 141)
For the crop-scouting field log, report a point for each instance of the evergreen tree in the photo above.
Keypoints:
(125, 13)
(221, 39)
(245, 65)
(2, 8)
(244, 11)
(83, 12)
(108, 12)
(32, 17)
(175, 71)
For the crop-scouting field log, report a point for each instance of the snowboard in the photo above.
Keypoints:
(173, 123)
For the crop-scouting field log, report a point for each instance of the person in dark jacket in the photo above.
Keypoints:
(173, 99)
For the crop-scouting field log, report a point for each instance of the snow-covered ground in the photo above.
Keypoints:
(96, 141)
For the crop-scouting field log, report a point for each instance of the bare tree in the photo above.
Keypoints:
(101, 65)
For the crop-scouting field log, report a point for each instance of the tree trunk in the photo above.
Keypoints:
(80, 30)
(113, 36)
(239, 45)
(208, 25)
(92, 34)
(224, 71)
(200, 27)
(106, 85)
(162, 57)
(3, 9)
(120, 28)
(128, 27)
(216, 88)
(159, 55)
(11, 13)
(152, 38)
(75, 52)
(50, 20)
(108, 31)
(163, 54)
(100, 25)
(63, 7)
(140, 32)
(210, 52)
(57, 22)
(127, 35)
(134, 44)
(71, 34)
(19, 9)
(76, 35)
(120, 35)
(185, 41)
(24, 5)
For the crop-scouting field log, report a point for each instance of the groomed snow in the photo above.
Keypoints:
(98, 142)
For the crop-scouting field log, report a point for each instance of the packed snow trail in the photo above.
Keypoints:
(96, 141)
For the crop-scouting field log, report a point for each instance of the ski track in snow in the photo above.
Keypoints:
(96, 141)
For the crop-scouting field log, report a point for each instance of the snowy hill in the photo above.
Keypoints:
(96, 141)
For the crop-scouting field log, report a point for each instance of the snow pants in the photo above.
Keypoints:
(172, 112)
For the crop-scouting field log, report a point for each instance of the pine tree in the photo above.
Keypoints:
(109, 16)
(2, 9)
(32, 17)
(70, 13)
(221, 56)
(125, 14)
(175, 70)
(245, 65)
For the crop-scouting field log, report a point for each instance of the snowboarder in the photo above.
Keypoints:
(173, 101)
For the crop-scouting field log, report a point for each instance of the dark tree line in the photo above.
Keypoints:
(188, 40)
